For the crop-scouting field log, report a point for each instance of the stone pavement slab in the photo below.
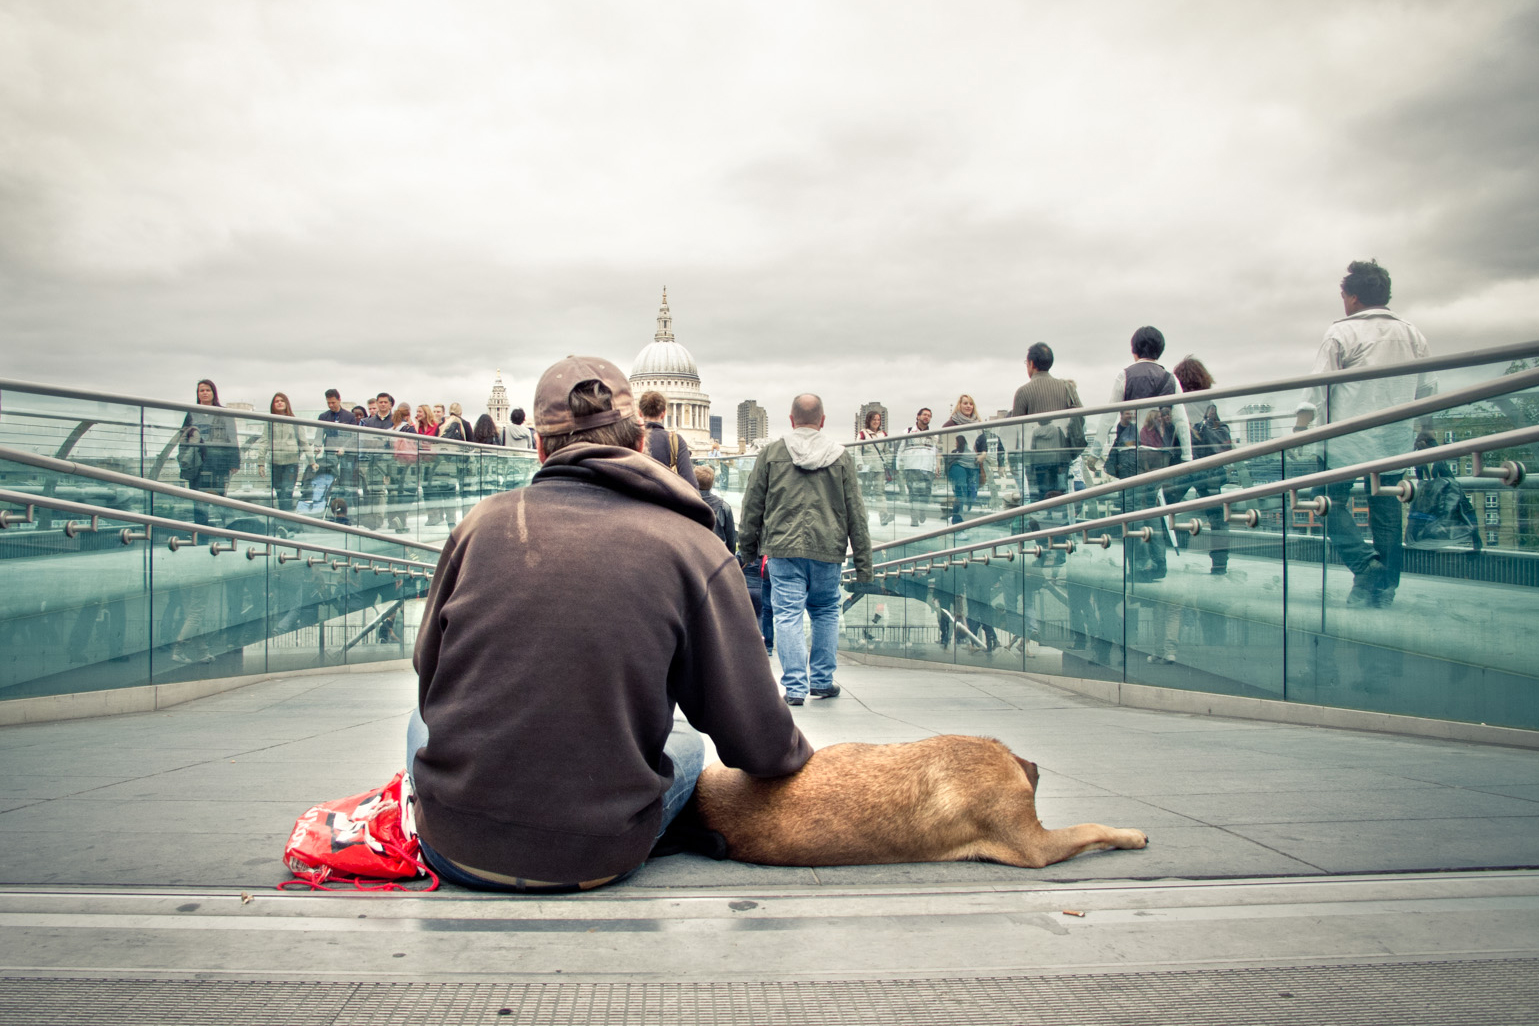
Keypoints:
(204, 794)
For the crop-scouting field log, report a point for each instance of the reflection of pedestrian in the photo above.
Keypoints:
(1368, 336)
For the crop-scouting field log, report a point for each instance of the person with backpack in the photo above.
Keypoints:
(1143, 379)
(664, 446)
(725, 528)
(1210, 436)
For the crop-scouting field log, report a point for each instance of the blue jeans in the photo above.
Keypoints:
(684, 749)
(812, 585)
(767, 610)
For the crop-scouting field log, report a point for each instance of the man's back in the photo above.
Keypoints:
(1043, 393)
(796, 508)
(1370, 338)
(530, 674)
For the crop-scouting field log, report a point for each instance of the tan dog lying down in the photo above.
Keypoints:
(942, 799)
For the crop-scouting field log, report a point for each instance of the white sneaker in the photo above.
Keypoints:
(1032, 648)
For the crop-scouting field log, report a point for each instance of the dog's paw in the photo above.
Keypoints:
(1133, 839)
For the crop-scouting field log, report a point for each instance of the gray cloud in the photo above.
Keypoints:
(871, 202)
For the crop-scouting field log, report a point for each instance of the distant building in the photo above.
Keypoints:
(665, 366)
(497, 405)
(865, 411)
(716, 429)
(1257, 418)
(752, 422)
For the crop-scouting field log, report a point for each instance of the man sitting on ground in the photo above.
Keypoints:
(544, 750)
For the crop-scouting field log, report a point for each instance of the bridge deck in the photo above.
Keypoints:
(126, 846)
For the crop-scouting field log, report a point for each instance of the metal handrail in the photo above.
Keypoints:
(1373, 468)
(1239, 454)
(1516, 351)
(59, 466)
(182, 527)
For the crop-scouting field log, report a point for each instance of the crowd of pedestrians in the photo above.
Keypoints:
(948, 472)
(317, 470)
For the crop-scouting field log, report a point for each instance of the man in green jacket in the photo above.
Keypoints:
(803, 510)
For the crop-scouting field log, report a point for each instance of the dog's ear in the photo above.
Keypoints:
(1031, 771)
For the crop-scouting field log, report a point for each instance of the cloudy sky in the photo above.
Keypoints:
(882, 200)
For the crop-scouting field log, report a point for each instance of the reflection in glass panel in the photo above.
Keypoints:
(74, 614)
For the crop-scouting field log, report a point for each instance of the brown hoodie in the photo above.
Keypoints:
(565, 621)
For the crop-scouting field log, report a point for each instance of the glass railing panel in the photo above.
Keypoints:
(374, 624)
(74, 612)
(1392, 587)
(207, 608)
(732, 477)
(99, 434)
(1008, 608)
(874, 469)
(1085, 590)
(443, 470)
(1213, 620)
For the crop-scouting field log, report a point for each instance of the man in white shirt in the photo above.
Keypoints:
(1368, 336)
(917, 461)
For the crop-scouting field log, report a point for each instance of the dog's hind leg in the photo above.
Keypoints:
(1057, 845)
(1035, 848)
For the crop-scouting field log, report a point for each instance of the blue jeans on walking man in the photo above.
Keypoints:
(812, 585)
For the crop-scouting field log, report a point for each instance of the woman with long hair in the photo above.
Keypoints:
(962, 462)
(209, 448)
(426, 422)
(1210, 436)
(871, 466)
(282, 447)
(485, 432)
(489, 466)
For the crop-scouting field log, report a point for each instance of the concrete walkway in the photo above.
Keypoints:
(148, 846)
